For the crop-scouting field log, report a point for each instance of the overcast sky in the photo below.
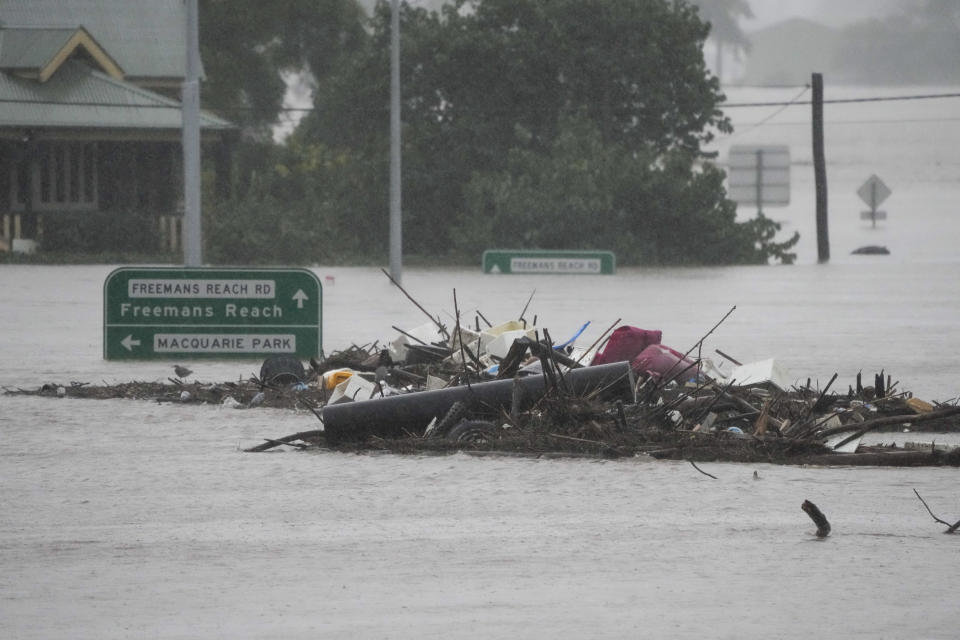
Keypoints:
(834, 13)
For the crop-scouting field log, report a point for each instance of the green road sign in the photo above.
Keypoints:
(164, 312)
(545, 261)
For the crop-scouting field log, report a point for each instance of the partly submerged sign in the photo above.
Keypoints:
(759, 175)
(874, 192)
(163, 312)
(547, 261)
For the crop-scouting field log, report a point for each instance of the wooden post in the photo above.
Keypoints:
(820, 171)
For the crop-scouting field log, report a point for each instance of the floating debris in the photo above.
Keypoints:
(871, 250)
(510, 389)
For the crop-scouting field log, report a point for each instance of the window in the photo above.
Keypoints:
(64, 177)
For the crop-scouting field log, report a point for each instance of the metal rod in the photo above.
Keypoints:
(760, 181)
(192, 229)
(396, 233)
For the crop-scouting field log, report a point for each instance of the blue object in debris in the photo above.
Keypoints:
(575, 336)
(557, 347)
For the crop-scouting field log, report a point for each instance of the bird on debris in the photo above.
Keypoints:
(182, 372)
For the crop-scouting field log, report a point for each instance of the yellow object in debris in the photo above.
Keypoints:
(335, 376)
(919, 406)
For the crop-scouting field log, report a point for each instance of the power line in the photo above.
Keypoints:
(731, 105)
(830, 123)
(762, 86)
(922, 96)
(772, 115)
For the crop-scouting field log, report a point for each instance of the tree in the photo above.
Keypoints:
(301, 206)
(483, 77)
(635, 67)
(724, 18)
(919, 45)
(585, 194)
(560, 124)
(248, 45)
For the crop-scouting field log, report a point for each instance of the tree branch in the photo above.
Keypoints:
(950, 527)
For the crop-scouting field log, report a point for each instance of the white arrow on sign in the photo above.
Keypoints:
(300, 297)
(129, 342)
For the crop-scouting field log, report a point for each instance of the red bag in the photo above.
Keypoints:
(661, 361)
(625, 344)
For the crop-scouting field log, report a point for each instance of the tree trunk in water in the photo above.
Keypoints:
(823, 527)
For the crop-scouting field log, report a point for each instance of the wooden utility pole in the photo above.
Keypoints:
(820, 171)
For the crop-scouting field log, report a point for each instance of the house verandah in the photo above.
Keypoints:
(90, 138)
(72, 190)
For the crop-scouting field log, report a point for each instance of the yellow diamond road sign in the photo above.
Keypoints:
(873, 192)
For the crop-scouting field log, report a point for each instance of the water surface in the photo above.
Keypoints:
(125, 519)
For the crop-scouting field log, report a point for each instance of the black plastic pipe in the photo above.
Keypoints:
(410, 413)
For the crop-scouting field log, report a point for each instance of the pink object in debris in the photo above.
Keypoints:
(625, 344)
(661, 361)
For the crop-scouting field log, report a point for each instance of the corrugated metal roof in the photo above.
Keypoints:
(145, 37)
(31, 48)
(78, 96)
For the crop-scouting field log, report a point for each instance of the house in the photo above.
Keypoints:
(90, 119)
(787, 52)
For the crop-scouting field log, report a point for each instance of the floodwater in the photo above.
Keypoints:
(125, 519)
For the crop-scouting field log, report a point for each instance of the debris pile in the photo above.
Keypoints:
(538, 399)
(511, 389)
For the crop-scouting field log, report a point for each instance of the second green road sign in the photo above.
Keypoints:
(548, 261)
(165, 312)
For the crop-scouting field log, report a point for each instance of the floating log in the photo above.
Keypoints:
(887, 458)
(868, 425)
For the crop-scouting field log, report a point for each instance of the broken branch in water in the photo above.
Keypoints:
(723, 355)
(463, 357)
(669, 374)
(803, 427)
(823, 526)
(443, 329)
(270, 443)
(699, 343)
(526, 306)
(911, 418)
(597, 341)
(950, 527)
(484, 318)
(701, 470)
